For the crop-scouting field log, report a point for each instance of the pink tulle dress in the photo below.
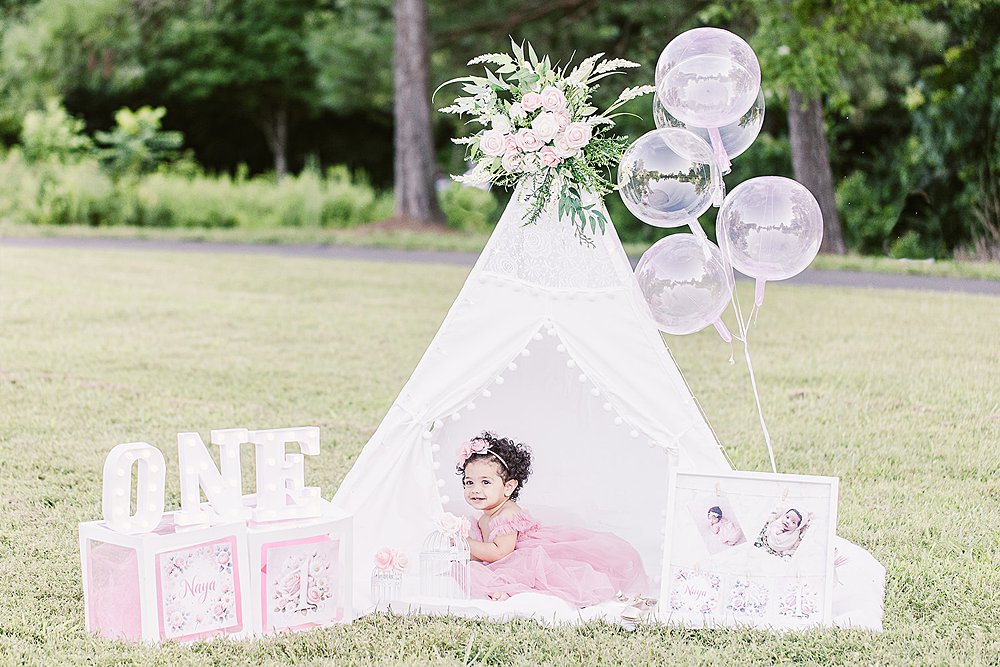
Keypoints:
(583, 567)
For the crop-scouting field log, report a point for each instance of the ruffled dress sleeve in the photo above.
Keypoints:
(515, 523)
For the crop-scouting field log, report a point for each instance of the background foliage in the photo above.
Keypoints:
(909, 90)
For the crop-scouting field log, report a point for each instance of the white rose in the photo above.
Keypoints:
(563, 120)
(517, 111)
(577, 135)
(500, 123)
(562, 148)
(530, 163)
(553, 99)
(528, 141)
(511, 162)
(545, 126)
(492, 143)
(448, 524)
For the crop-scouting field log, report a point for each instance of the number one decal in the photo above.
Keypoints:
(304, 585)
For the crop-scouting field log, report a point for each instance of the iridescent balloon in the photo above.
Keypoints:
(664, 177)
(686, 283)
(770, 228)
(736, 137)
(707, 77)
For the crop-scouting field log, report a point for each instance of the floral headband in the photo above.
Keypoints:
(476, 446)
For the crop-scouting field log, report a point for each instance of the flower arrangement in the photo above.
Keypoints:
(387, 559)
(538, 124)
(453, 526)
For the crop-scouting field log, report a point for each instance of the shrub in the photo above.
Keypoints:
(52, 134)
(137, 145)
(867, 213)
(82, 193)
(468, 209)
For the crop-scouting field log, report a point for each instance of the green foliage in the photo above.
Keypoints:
(57, 46)
(54, 193)
(51, 193)
(352, 74)
(468, 208)
(52, 134)
(137, 145)
(911, 246)
(869, 213)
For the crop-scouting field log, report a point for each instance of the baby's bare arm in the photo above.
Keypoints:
(489, 552)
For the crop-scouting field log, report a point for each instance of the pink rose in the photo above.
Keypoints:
(492, 143)
(384, 558)
(219, 610)
(531, 101)
(528, 141)
(179, 561)
(290, 584)
(553, 98)
(577, 135)
(314, 596)
(510, 144)
(222, 558)
(402, 562)
(176, 619)
(549, 157)
(563, 119)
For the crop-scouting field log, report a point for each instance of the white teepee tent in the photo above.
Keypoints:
(550, 342)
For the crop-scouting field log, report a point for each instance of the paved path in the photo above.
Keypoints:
(809, 277)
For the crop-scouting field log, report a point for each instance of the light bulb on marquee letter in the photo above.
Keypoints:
(281, 493)
(117, 492)
(199, 473)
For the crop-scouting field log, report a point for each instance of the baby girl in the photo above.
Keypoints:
(512, 553)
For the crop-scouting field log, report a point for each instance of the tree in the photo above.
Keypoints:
(248, 52)
(806, 49)
(56, 46)
(414, 168)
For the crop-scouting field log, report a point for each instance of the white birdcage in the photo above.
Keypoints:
(444, 566)
(386, 584)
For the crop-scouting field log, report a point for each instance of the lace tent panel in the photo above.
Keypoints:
(547, 254)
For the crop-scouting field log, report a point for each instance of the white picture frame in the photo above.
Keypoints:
(748, 548)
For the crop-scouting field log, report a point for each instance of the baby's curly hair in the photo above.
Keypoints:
(515, 463)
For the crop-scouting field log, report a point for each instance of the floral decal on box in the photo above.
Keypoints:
(693, 591)
(748, 597)
(300, 583)
(798, 599)
(198, 591)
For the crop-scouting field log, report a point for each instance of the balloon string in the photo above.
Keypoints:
(744, 338)
(719, 148)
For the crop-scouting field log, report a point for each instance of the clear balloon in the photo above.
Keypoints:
(707, 77)
(686, 283)
(770, 228)
(664, 177)
(736, 137)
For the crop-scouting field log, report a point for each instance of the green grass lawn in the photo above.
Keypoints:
(458, 241)
(897, 393)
